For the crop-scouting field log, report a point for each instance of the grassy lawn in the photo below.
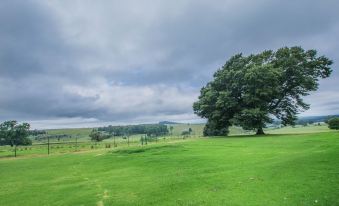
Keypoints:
(300, 169)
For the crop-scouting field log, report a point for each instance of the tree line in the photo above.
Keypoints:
(148, 129)
(36, 132)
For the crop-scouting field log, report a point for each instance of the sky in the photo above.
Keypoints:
(91, 63)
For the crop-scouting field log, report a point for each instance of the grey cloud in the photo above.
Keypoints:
(29, 39)
(133, 61)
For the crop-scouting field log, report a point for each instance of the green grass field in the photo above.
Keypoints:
(293, 169)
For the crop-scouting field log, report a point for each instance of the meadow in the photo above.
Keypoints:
(297, 168)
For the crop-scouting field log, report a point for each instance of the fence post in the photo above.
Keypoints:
(48, 145)
(127, 140)
(15, 150)
(76, 143)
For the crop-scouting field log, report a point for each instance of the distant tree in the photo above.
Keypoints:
(185, 133)
(98, 136)
(249, 90)
(190, 130)
(37, 132)
(330, 117)
(13, 134)
(333, 123)
(171, 129)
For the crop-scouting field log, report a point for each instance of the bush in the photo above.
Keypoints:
(98, 136)
(333, 123)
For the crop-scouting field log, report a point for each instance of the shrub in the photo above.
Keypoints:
(333, 123)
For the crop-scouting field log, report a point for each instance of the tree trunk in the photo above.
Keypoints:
(260, 131)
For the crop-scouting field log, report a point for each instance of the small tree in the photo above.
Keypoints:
(96, 136)
(333, 123)
(171, 129)
(13, 134)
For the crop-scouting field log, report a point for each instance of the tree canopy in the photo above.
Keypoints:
(249, 91)
(12, 133)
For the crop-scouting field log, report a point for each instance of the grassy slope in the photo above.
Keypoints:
(82, 133)
(271, 170)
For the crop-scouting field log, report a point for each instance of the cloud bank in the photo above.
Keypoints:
(89, 63)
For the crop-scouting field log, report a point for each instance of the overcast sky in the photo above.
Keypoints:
(87, 63)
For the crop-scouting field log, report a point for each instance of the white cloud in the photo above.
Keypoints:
(323, 103)
(136, 100)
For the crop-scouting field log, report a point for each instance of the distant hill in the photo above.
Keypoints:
(312, 119)
(168, 122)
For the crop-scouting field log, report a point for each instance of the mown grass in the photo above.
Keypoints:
(300, 169)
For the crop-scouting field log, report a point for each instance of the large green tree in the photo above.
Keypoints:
(250, 91)
(12, 133)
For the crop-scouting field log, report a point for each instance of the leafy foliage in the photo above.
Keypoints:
(333, 123)
(98, 136)
(249, 90)
(12, 133)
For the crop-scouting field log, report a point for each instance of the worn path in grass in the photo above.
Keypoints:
(271, 170)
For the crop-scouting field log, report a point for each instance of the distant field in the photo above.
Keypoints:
(82, 133)
(299, 129)
(300, 169)
(198, 129)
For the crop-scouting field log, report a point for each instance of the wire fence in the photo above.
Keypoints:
(50, 147)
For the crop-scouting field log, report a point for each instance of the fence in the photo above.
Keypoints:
(46, 148)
